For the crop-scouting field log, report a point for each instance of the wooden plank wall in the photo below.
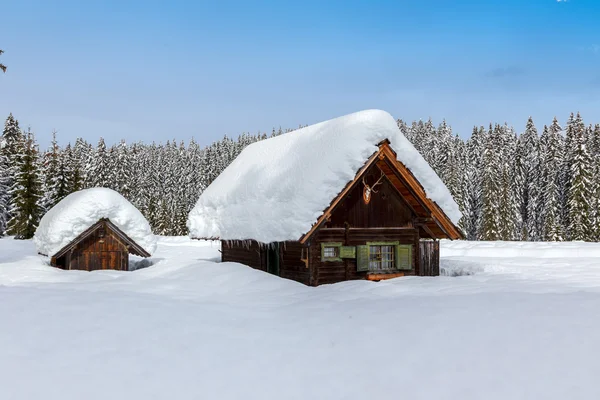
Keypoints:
(386, 208)
(247, 253)
(338, 271)
(387, 218)
(292, 267)
(95, 252)
(429, 259)
(255, 256)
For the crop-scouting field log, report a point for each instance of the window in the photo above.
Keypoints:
(330, 251)
(381, 257)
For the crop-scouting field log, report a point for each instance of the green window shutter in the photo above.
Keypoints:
(404, 259)
(348, 252)
(362, 258)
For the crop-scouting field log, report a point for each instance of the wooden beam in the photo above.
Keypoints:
(441, 219)
(426, 229)
(381, 277)
(408, 187)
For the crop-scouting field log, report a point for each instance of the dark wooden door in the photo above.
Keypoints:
(273, 260)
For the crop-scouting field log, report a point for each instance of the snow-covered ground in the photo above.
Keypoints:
(509, 321)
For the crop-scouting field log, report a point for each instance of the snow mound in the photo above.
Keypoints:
(80, 210)
(276, 189)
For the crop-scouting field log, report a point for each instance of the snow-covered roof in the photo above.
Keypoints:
(80, 210)
(276, 189)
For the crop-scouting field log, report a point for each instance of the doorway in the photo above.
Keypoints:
(273, 259)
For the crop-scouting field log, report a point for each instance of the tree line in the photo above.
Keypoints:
(163, 181)
(508, 186)
(530, 186)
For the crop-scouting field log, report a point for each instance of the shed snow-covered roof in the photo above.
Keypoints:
(276, 189)
(80, 210)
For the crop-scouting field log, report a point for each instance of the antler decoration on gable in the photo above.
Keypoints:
(369, 190)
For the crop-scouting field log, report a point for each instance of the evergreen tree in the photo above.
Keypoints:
(551, 182)
(4, 192)
(472, 186)
(100, 168)
(121, 173)
(50, 171)
(530, 191)
(72, 175)
(9, 150)
(510, 184)
(579, 188)
(26, 203)
(491, 186)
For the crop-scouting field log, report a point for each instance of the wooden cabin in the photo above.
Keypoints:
(101, 246)
(380, 224)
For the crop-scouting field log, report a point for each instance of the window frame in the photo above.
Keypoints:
(336, 245)
(397, 246)
(395, 255)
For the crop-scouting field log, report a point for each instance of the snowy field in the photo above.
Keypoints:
(509, 321)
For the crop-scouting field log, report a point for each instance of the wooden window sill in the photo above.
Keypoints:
(380, 276)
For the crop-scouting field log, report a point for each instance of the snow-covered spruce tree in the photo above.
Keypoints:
(4, 192)
(120, 173)
(510, 216)
(151, 183)
(100, 169)
(441, 147)
(9, 148)
(594, 141)
(473, 183)
(491, 186)
(62, 184)
(528, 155)
(50, 171)
(421, 136)
(83, 153)
(453, 168)
(26, 204)
(72, 170)
(566, 172)
(552, 178)
(579, 191)
(401, 125)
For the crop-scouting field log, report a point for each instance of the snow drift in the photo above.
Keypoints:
(276, 189)
(80, 210)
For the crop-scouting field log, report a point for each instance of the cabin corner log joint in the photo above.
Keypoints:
(363, 234)
(102, 246)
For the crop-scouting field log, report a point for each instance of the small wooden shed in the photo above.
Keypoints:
(101, 246)
(380, 224)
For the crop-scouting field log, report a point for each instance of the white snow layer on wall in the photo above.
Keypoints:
(276, 189)
(80, 210)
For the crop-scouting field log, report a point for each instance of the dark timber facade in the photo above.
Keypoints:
(102, 246)
(380, 226)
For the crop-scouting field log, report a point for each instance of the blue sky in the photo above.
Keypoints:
(157, 70)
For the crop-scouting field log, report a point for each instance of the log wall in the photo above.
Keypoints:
(97, 252)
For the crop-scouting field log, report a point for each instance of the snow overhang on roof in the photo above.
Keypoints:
(277, 189)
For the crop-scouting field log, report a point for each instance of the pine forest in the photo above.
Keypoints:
(537, 185)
